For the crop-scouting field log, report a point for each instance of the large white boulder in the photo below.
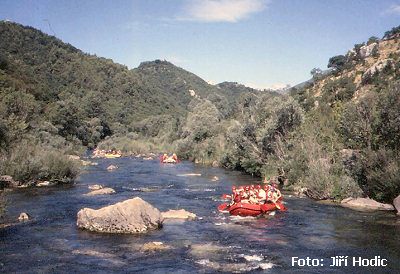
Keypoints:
(130, 216)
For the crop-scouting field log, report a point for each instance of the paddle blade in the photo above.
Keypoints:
(280, 206)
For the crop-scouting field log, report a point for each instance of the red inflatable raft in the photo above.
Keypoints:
(244, 209)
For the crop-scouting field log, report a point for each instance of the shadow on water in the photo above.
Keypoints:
(216, 242)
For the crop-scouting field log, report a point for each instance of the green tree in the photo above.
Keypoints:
(337, 62)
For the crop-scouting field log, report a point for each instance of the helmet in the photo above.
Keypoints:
(252, 187)
(258, 187)
(246, 188)
(266, 187)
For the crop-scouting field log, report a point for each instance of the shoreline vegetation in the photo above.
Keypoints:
(330, 138)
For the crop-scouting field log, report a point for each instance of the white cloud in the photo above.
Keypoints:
(221, 10)
(394, 9)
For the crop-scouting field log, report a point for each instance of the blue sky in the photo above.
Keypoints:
(261, 43)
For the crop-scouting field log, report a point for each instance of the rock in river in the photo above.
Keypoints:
(23, 217)
(45, 183)
(365, 204)
(178, 214)
(112, 167)
(101, 191)
(154, 246)
(95, 187)
(130, 216)
(396, 203)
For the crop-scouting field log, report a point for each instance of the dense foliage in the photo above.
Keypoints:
(352, 124)
(337, 135)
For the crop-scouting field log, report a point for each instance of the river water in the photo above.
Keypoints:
(215, 242)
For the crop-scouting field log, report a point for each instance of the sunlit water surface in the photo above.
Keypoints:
(216, 242)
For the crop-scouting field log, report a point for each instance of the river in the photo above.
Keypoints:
(51, 242)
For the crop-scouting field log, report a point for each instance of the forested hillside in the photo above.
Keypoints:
(351, 134)
(333, 137)
(55, 97)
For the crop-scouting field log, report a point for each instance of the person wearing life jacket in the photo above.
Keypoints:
(240, 192)
(232, 196)
(174, 157)
(246, 195)
(273, 194)
(236, 197)
(164, 157)
(262, 194)
(269, 192)
(252, 195)
(276, 194)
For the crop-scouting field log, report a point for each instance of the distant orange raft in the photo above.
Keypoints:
(165, 159)
(245, 209)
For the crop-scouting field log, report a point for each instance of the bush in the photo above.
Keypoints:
(356, 123)
(388, 124)
(27, 162)
(337, 62)
(378, 174)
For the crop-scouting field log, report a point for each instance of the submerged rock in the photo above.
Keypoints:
(231, 267)
(101, 191)
(109, 258)
(178, 214)
(130, 216)
(365, 204)
(396, 203)
(154, 246)
(95, 187)
(148, 158)
(112, 167)
(23, 217)
(147, 189)
(45, 183)
(214, 179)
(204, 250)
